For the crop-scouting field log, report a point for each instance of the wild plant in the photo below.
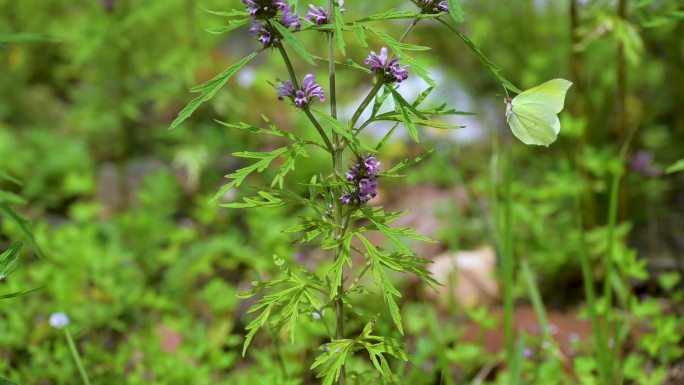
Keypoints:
(339, 204)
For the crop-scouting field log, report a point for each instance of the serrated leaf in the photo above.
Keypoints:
(360, 34)
(382, 280)
(339, 23)
(493, 69)
(209, 89)
(394, 44)
(231, 26)
(265, 159)
(406, 163)
(330, 363)
(389, 15)
(233, 13)
(297, 45)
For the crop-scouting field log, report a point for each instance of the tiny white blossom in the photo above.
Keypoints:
(59, 320)
(318, 315)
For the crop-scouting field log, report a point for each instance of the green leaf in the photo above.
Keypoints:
(676, 167)
(405, 108)
(493, 69)
(406, 163)
(4, 381)
(264, 199)
(297, 45)
(9, 259)
(455, 11)
(11, 198)
(394, 44)
(10, 178)
(337, 269)
(209, 89)
(360, 34)
(339, 23)
(342, 129)
(377, 261)
(388, 15)
(23, 225)
(233, 13)
(231, 26)
(265, 159)
(24, 38)
(329, 364)
(18, 294)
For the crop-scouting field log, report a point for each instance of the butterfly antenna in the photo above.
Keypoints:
(506, 91)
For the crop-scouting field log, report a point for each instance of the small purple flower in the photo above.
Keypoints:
(389, 72)
(346, 198)
(372, 165)
(304, 96)
(318, 15)
(644, 165)
(290, 19)
(528, 353)
(108, 5)
(263, 35)
(264, 9)
(433, 6)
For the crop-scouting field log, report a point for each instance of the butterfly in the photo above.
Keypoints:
(533, 114)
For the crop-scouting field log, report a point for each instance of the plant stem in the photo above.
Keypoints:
(364, 104)
(589, 293)
(307, 111)
(77, 357)
(288, 64)
(409, 29)
(507, 264)
(337, 150)
(319, 128)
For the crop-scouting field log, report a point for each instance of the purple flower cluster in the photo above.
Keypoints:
(363, 175)
(389, 71)
(303, 96)
(319, 15)
(261, 11)
(264, 9)
(433, 6)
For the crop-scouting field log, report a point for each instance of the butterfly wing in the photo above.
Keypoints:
(532, 115)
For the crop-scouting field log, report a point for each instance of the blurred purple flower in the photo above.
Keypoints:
(263, 35)
(644, 165)
(528, 353)
(391, 71)
(433, 6)
(264, 9)
(305, 95)
(317, 15)
(108, 5)
(290, 19)
(320, 15)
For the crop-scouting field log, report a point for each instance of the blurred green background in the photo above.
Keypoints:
(148, 270)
